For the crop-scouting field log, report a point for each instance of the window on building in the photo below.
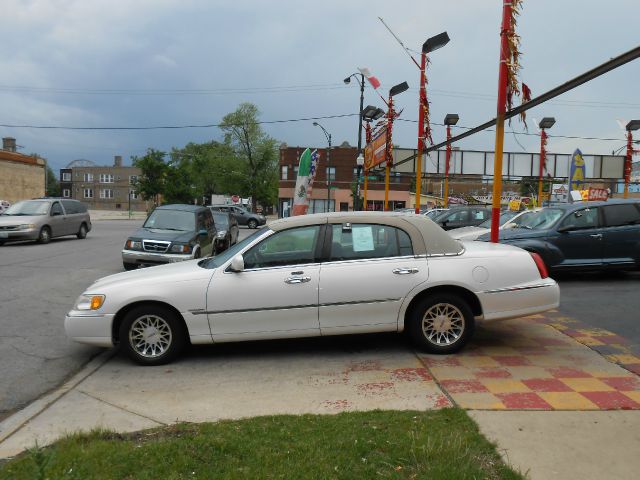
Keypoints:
(88, 192)
(106, 178)
(134, 195)
(66, 193)
(331, 173)
(284, 172)
(88, 177)
(106, 193)
(66, 177)
(133, 179)
(295, 171)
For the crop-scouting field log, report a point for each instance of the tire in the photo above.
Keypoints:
(252, 224)
(1, 242)
(152, 335)
(129, 266)
(441, 323)
(82, 233)
(45, 235)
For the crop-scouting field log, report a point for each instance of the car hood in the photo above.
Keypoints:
(171, 272)
(161, 234)
(19, 219)
(467, 233)
(516, 234)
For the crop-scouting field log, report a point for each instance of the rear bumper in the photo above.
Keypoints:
(520, 301)
(147, 258)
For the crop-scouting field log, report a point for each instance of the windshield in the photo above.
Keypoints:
(215, 262)
(221, 220)
(28, 207)
(504, 218)
(542, 220)
(171, 220)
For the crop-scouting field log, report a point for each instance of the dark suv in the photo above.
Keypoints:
(171, 233)
(462, 217)
(242, 216)
(582, 236)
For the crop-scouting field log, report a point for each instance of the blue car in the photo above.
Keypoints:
(582, 236)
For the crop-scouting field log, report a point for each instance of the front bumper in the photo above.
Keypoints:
(147, 258)
(91, 329)
(30, 234)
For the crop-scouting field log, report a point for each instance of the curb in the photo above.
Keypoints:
(15, 422)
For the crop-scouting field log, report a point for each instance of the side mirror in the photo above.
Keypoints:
(237, 263)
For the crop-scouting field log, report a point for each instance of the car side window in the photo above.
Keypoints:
(56, 209)
(480, 215)
(360, 241)
(295, 246)
(581, 219)
(619, 215)
(458, 216)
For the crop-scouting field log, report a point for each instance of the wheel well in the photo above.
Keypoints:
(463, 293)
(117, 320)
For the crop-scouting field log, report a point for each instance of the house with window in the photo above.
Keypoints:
(102, 187)
(21, 176)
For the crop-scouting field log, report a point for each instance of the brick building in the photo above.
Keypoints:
(340, 169)
(102, 187)
(21, 176)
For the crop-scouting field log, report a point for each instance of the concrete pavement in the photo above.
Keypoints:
(555, 407)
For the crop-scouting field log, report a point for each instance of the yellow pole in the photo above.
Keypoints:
(387, 169)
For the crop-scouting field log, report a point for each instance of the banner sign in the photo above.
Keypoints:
(559, 193)
(577, 173)
(304, 182)
(375, 152)
(597, 194)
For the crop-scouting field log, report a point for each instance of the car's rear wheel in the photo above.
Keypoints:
(152, 335)
(82, 233)
(129, 266)
(441, 323)
(45, 235)
(252, 224)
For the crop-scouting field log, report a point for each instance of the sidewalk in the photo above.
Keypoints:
(555, 407)
(116, 215)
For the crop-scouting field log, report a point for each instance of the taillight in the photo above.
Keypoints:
(542, 268)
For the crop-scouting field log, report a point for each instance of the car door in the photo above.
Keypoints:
(275, 296)
(371, 269)
(58, 220)
(579, 238)
(241, 216)
(621, 234)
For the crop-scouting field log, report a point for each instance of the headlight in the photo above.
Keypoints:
(133, 245)
(26, 226)
(180, 248)
(221, 233)
(89, 302)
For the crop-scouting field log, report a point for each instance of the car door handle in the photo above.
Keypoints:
(296, 280)
(405, 271)
(596, 235)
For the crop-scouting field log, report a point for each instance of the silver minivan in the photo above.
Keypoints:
(43, 219)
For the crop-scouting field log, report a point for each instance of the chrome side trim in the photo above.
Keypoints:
(515, 289)
(292, 307)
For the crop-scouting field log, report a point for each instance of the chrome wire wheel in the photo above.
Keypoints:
(150, 336)
(443, 324)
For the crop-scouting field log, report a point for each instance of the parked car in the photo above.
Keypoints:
(42, 219)
(242, 215)
(468, 216)
(171, 233)
(4, 205)
(582, 236)
(434, 212)
(228, 230)
(508, 219)
(320, 274)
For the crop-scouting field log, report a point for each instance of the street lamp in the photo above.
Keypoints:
(328, 135)
(631, 126)
(369, 114)
(430, 45)
(361, 83)
(449, 120)
(395, 90)
(546, 122)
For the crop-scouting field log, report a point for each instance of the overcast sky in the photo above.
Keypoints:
(144, 63)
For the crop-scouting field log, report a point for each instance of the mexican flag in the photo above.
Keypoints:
(304, 182)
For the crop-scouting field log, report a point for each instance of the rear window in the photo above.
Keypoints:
(619, 215)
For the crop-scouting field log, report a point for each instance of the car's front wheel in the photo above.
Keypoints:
(441, 323)
(252, 224)
(152, 335)
(82, 233)
(45, 235)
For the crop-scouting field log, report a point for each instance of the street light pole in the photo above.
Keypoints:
(449, 120)
(632, 125)
(546, 122)
(328, 135)
(356, 200)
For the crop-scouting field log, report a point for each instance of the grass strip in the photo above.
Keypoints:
(442, 444)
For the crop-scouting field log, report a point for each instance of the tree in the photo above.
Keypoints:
(256, 154)
(53, 185)
(151, 183)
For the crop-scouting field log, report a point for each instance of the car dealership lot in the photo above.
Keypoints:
(41, 282)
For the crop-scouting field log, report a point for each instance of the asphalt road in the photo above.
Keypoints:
(39, 283)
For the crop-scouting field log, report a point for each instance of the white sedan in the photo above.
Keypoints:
(316, 275)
